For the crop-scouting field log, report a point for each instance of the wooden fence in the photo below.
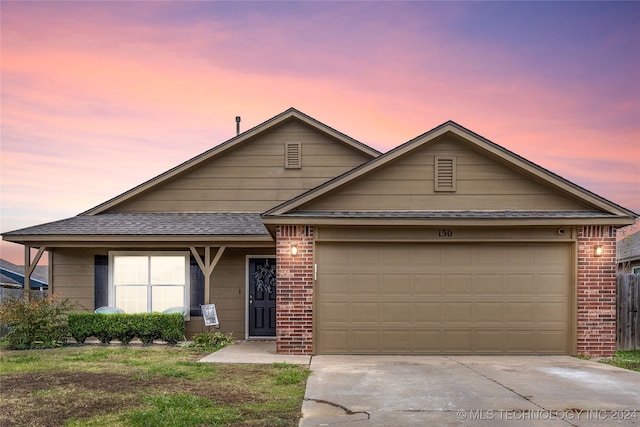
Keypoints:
(628, 331)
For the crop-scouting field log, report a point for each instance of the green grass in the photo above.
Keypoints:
(290, 374)
(181, 410)
(625, 359)
(144, 386)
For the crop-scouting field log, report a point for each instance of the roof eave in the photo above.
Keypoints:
(444, 222)
(93, 240)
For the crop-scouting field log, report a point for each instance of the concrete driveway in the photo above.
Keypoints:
(469, 391)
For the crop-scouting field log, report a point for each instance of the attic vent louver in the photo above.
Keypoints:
(292, 155)
(445, 173)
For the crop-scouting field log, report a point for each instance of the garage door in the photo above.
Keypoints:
(443, 298)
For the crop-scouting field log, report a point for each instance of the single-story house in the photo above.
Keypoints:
(628, 253)
(448, 243)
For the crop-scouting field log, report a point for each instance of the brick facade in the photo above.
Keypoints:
(596, 293)
(294, 290)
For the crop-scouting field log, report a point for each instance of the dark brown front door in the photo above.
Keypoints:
(262, 297)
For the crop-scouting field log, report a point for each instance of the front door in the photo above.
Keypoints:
(262, 297)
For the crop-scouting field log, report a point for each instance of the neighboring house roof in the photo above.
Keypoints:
(140, 225)
(290, 114)
(602, 209)
(13, 274)
(8, 281)
(628, 249)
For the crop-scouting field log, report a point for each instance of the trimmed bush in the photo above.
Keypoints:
(37, 323)
(121, 329)
(81, 326)
(147, 327)
(173, 328)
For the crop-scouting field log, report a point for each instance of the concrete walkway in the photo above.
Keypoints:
(256, 352)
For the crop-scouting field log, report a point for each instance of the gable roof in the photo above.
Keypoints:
(602, 209)
(289, 114)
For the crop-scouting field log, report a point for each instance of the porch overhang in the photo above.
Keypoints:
(141, 242)
(148, 230)
(448, 218)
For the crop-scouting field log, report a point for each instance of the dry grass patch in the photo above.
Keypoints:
(144, 386)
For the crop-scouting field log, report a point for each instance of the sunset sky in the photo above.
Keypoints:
(98, 97)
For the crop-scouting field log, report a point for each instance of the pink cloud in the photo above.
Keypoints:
(98, 100)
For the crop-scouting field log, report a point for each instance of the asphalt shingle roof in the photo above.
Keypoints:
(152, 224)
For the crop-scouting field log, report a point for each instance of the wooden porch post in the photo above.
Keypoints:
(207, 266)
(29, 266)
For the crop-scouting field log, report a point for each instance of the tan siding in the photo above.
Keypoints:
(252, 177)
(195, 326)
(467, 187)
(408, 184)
(73, 276)
(443, 202)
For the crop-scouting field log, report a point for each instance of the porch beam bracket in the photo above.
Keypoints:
(207, 265)
(198, 258)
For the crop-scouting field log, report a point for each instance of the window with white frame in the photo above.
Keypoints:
(141, 282)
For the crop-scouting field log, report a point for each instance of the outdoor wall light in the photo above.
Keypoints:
(598, 250)
(294, 250)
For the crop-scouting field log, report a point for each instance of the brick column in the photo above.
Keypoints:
(596, 310)
(294, 290)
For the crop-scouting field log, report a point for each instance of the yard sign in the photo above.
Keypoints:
(209, 314)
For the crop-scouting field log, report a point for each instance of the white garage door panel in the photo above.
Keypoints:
(427, 298)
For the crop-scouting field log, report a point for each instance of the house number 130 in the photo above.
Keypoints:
(445, 232)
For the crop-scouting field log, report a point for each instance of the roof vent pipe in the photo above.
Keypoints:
(238, 125)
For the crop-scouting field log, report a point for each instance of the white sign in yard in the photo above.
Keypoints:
(209, 314)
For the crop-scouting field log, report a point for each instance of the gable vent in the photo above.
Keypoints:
(292, 155)
(445, 173)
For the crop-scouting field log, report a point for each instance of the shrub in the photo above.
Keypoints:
(37, 323)
(121, 328)
(173, 328)
(116, 327)
(81, 326)
(147, 327)
(102, 329)
(125, 327)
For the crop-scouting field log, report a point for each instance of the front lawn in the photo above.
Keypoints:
(625, 359)
(144, 386)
